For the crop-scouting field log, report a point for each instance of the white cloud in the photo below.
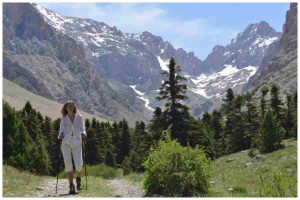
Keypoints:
(135, 18)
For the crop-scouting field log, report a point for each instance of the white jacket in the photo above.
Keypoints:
(67, 127)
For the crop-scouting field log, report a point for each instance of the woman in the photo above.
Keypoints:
(72, 131)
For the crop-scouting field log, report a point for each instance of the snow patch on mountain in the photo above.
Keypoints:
(136, 91)
(54, 19)
(163, 63)
(228, 70)
(142, 97)
(261, 42)
(216, 84)
(146, 103)
(200, 91)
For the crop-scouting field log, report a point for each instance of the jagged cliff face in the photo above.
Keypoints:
(127, 67)
(281, 65)
(52, 64)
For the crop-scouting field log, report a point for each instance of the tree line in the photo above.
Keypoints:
(243, 121)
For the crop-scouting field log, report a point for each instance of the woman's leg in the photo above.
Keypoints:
(77, 157)
(70, 176)
(66, 151)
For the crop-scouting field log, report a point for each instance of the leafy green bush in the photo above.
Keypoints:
(174, 170)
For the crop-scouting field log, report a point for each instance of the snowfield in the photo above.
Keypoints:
(210, 85)
(163, 63)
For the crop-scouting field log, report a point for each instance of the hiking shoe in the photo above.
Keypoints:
(78, 183)
(72, 188)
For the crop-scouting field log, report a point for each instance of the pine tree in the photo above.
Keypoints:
(217, 125)
(263, 103)
(229, 120)
(101, 141)
(228, 101)
(87, 123)
(125, 141)
(32, 120)
(252, 120)
(110, 159)
(270, 134)
(200, 134)
(94, 153)
(173, 92)
(27, 108)
(116, 138)
(41, 157)
(48, 131)
(295, 113)
(17, 143)
(207, 119)
(276, 104)
(139, 150)
(235, 123)
(157, 125)
(290, 118)
(238, 102)
(238, 140)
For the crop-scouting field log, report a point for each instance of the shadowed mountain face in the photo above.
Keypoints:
(129, 66)
(280, 65)
(53, 65)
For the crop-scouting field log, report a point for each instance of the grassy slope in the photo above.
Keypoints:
(17, 96)
(245, 180)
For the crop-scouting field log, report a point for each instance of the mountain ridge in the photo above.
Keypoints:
(132, 63)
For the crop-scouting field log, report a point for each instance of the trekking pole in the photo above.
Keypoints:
(58, 162)
(83, 150)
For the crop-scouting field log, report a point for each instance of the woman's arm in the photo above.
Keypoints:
(61, 129)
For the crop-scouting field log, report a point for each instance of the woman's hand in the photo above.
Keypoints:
(61, 137)
(83, 136)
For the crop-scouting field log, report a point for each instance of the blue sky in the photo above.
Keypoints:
(196, 27)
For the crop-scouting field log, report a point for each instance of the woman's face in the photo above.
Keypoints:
(70, 108)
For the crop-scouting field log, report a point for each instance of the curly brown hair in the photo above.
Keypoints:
(64, 110)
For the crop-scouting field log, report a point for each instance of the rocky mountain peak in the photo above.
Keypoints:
(218, 48)
(261, 30)
(280, 64)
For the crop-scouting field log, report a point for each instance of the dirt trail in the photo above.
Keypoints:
(124, 188)
(47, 189)
(120, 187)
